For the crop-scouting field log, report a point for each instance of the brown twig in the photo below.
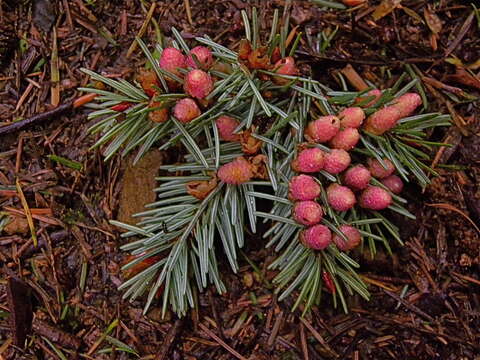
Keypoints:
(167, 343)
(354, 78)
(36, 119)
(56, 335)
(221, 342)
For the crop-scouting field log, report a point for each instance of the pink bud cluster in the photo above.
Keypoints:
(197, 83)
(354, 186)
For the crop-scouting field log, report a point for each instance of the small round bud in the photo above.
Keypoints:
(351, 117)
(285, 66)
(393, 183)
(378, 170)
(317, 237)
(303, 187)
(357, 177)
(353, 238)
(198, 84)
(340, 198)
(307, 212)
(309, 161)
(322, 129)
(375, 198)
(236, 172)
(336, 161)
(203, 55)
(172, 59)
(226, 126)
(186, 110)
(345, 139)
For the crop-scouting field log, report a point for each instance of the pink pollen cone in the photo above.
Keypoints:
(407, 104)
(357, 177)
(204, 57)
(309, 161)
(307, 212)
(226, 126)
(322, 129)
(285, 66)
(375, 92)
(336, 161)
(186, 110)
(345, 139)
(340, 198)
(198, 84)
(393, 183)
(303, 187)
(236, 172)
(172, 59)
(375, 198)
(317, 237)
(378, 170)
(353, 238)
(351, 117)
(383, 120)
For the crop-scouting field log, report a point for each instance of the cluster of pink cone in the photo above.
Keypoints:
(197, 82)
(342, 135)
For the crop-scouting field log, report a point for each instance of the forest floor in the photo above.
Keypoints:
(425, 298)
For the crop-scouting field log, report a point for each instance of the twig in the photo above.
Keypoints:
(36, 119)
(353, 77)
(142, 29)
(408, 305)
(189, 11)
(221, 342)
(303, 341)
(56, 335)
(461, 34)
(319, 337)
(167, 343)
(275, 330)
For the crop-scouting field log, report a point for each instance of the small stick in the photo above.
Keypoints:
(142, 29)
(27, 211)
(221, 342)
(353, 77)
(319, 337)
(189, 11)
(36, 118)
(169, 339)
(24, 96)
(56, 335)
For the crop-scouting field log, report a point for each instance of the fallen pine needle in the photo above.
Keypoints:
(55, 77)
(142, 29)
(189, 11)
(28, 214)
(458, 211)
(377, 283)
(36, 214)
(221, 342)
(97, 343)
(85, 99)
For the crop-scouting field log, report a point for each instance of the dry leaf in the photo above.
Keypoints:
(433, 21)
(462, 76)
(385, 8)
